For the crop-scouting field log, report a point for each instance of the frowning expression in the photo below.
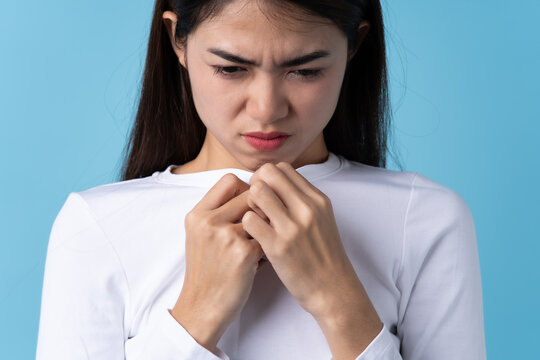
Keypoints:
(251, 72)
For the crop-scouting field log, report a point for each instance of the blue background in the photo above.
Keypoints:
(464, 82)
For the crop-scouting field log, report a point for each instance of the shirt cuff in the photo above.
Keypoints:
(380, 348)
(167, 339)
(191, 349)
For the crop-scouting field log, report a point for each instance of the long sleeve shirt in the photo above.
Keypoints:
(116, 261)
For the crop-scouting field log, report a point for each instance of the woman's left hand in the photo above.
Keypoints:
(294, 223)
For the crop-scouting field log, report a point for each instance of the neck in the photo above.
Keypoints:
(214, 156)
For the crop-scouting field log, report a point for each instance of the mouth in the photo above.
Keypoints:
(270, 141)
(266, 136)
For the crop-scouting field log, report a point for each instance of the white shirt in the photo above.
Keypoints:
(116, 260)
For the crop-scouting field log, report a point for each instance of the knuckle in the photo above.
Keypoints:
(285, 165)
(308, 216)
(267, 169)
(326, 199)
(254, 177)
(241, 251)
(233, 182)
(208, 221)
(268, 166)
(190, 218)
(309, 210)
(225, 237)
(247, 216)
(321, 199)
(251, 217)
(230, 178)
(257, 187)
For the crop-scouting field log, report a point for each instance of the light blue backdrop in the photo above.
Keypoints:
(464, 81)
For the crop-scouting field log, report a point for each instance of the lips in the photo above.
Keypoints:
(266, 141)
(266, 145)
(266, 136)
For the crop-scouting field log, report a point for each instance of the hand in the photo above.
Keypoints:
(221, 262)
(294, 223)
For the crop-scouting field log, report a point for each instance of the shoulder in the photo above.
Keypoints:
(424, 200)
(374, 184)
(117, 193)
(439, 227)
(421, 189)
(436, 201)
(358, 172)
(107, 199)
(84, 209)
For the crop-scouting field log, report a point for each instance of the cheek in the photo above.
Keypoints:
(209, 98)
(319, 100)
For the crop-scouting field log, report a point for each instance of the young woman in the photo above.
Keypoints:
(256, 219)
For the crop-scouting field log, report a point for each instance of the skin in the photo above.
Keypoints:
(261, 98)
(280, 214)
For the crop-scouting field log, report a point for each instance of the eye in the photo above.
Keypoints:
(308, 74)
(226, 71)
(233, 71)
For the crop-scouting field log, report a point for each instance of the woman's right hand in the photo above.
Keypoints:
(221, 262)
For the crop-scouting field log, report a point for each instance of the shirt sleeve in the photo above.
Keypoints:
(85, 300)
(381, 348)
(441, 310)
(166, 339)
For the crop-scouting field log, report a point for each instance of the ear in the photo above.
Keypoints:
(170, 19)
(363, 29)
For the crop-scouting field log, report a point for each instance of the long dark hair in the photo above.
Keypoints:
(168, 130)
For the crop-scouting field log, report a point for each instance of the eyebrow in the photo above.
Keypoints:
(301, 60)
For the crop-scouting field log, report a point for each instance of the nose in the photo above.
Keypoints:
(266, 101)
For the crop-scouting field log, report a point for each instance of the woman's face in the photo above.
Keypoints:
(243, 81)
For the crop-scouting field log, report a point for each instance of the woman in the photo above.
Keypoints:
(262, 130)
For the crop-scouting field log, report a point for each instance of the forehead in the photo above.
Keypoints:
(259, 23)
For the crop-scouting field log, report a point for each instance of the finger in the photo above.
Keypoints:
(234, 209)
(258, 229)
(257, 248)
(284, 188)
(240, 232)
(259, 212)
(227, 187)
(263, 197)
(255, 208)
(297, 178)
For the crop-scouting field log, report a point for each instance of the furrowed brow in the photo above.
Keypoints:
(301, 60)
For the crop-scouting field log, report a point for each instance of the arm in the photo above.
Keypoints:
(85, 300)
(302, 241)
(82, 306)
(441, 313)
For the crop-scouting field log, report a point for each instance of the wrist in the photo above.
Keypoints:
(364, 319)
(349, 331)
(331, 304)
(206, 327)
(351, 309)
